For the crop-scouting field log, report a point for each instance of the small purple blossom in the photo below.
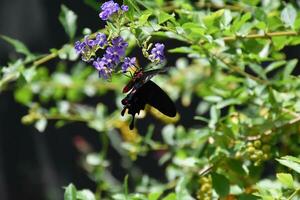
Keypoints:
(101, 65)
(79, 46)
(124, 8)
(101, 39)
(108, 9)
(119, 42)
(157, 53)
(128, 62)
(115, 53)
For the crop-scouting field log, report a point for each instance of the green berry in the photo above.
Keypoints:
(257, 143)
(205, 187)
(250, 149)
(265, 156)
(259, 153)
(266, 138)
(266, 148)
(253, 157)
(249, 144)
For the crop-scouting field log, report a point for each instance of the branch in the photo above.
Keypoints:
(262, 36)
(241, 72)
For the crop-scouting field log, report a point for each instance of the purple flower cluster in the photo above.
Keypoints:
(112, 57)
(109, 8)
(157, 53)
(88, 46)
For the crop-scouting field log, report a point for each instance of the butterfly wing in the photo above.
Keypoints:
(157, 98)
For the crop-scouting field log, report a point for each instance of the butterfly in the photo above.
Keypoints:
(143, 91)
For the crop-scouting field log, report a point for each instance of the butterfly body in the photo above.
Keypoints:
(144, 91)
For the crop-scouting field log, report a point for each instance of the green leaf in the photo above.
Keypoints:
(238, 23)
(29, 73)
(171, 196)
(92, 3)
(226, 19)
(181, 50)
(154, 195)
(68, 19)
(290, 163)
(214, 116)
(286, 179)
(132, 4)
(290, 66)
(70, 192)
(274, 65)
(288, 15)
(126, 186)
(280, 42)
(220, 184)
(85, 195)
(258, 70)
(163, 17)
(144, 17)
(19, 46)
(181, 189)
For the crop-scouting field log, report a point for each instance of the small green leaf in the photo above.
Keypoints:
(214, 116)
(290, 164)
(144, 17)
(181, 189)
(19, 46)
(171, 196)
(29, 73)
(68, 19)
(290, 66)
(258, 70)
(274, 65)
(220, 184)
(286, 179)
(92, 3)
(85, 195)
(288, 15)
(163, 17)
(154, 195)
(126, 186)
(227, 18)
(182, 50)
(70, 192)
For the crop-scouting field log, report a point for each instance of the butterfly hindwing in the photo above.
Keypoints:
(157, 98)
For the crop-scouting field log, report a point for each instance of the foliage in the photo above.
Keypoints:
(230, 60)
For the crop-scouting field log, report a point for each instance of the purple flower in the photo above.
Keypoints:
(119, 42)
(124, 8)
(157, 53)
(128, 62)
(108, 9)
(101, 65)
(116, 53)
(89, 42)
(101, 39)
(79, 46)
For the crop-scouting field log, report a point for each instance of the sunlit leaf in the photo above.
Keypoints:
(68, 19)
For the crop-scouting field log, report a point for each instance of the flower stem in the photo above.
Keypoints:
(46, 58)
(294, 194)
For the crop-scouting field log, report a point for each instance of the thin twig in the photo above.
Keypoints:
(241, 72)
(261, 36)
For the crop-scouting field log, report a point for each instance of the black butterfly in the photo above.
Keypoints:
(144, 91)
